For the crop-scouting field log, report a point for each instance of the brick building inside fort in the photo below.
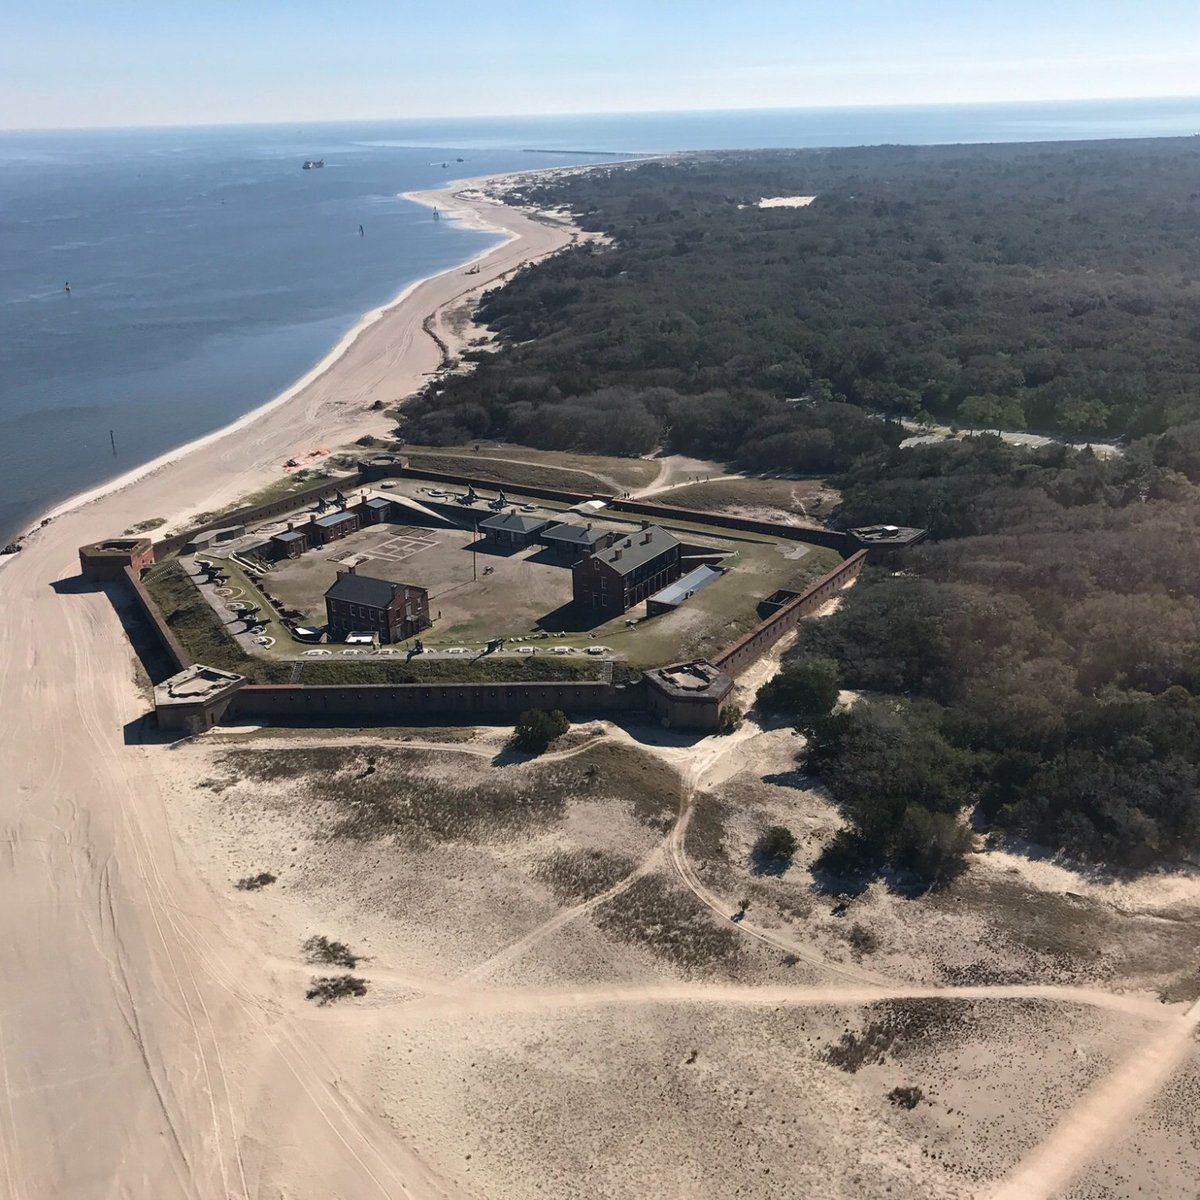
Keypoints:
(363, 604)
(629, 571)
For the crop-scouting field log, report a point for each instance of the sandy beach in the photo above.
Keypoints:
(138, 1044)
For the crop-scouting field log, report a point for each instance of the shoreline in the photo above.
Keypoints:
(471, 213)
(160, 985)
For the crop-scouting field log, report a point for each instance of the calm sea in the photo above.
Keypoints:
(208, 270)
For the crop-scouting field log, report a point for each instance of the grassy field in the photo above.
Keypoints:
(284, 486)
(251, 594)
(721, 612)
(806, 498)
(547, 468)
(206, 639)
(445, 796)
(444, 670)
(198, 627)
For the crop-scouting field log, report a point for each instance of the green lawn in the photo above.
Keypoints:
(544, 468)
(804, 498)
(719, 613)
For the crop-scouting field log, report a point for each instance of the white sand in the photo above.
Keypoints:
(142, 1048)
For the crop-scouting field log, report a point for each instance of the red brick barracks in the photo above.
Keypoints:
(362, 604)
(627, 572)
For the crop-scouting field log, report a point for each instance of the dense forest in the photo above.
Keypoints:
(1054, 287)
(1035, 666)
(1040, 660)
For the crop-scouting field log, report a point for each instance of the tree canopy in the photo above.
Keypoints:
(1047, 286)
(1038, 660)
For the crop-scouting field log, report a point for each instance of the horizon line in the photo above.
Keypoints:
(648, 112)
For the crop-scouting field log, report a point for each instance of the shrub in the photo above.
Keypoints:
(862, 939)
(251, 883)
(772, 852)
(731, 718)
(325, 989)
(319, 949)
(933, 845)
(906, 1097)
(804, 690)
(536, 729)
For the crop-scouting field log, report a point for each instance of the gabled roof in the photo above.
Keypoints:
(631, 552)
(514, 523)
(289, 535)
(578, 535)
(364, 589)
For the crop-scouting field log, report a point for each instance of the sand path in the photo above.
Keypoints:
(142, 1048)
(1098, 1121)
(677, 471)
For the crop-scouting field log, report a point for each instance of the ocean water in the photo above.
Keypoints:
(208, 271)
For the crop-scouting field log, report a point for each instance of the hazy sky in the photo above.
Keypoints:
(133, 62)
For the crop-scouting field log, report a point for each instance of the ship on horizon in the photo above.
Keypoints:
(313, 163)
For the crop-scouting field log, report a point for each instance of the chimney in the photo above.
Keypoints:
(645, 524)
(291, 526)
(340, 572)
(616, 554)
(589, 524)
(352, 569)
(646, 538)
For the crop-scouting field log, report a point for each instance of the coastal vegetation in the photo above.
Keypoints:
(325, 989)
(536, 729)
(773, 850)
(1037, 663)
(1042, 286)
(1041, 659)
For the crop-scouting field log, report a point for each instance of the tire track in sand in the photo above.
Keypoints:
(1097, 1122)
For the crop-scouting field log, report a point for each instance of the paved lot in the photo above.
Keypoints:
(405, 544)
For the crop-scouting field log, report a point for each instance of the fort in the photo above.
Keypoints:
(622, 554)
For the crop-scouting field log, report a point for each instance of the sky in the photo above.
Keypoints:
(70, 64)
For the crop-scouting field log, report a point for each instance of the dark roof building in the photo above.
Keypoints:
(512, 530)
(627, 572)
(289, 544)
(572, 542)
(334, 525)
(376, 509)
(364, 604)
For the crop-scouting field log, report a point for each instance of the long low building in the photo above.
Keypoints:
(333, 526)
(686, 586)
(571, 542)
(512, 530)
